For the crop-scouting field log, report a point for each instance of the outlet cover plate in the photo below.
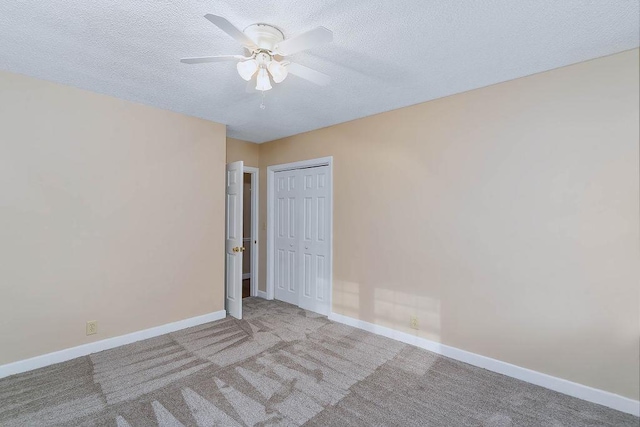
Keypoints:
(92, 327)
(413, 322)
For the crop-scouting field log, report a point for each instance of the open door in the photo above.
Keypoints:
(233, 234)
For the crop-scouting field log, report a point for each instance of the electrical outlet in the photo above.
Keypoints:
(92, 327)
(413, 322)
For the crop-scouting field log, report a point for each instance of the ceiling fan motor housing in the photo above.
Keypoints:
(265, 36)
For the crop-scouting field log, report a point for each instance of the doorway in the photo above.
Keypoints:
(300, 233)
(250, 232)
(241, 235)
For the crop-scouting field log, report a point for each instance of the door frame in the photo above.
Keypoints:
(255, 241)
(271, 170)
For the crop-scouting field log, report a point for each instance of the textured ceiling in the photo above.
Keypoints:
(385, 54)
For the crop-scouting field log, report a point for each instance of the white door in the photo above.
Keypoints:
(314, 240)
(233, 234)
(286, 236)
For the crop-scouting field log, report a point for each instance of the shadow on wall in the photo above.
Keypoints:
(346, 298)
(395, 309)
(389, 308)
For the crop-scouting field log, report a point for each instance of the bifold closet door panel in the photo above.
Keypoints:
(286, 207)
(314, 239)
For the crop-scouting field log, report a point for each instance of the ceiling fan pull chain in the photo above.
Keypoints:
(262, 106)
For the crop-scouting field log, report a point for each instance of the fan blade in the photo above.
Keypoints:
(304, 41)
(230, 29)
(219, 58)
(307, 73)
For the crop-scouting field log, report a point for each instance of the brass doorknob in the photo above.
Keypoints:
(242, 249)
(236, 249)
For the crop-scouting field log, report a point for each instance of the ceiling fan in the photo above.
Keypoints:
(267, 49)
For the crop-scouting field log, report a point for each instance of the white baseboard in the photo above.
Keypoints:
(106, 344)
(262, 294)
(580, 391)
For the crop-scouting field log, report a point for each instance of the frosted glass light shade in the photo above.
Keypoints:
(263, 81)
(247, 69)
(278, 71)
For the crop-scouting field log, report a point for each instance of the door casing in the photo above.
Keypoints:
(271, 170)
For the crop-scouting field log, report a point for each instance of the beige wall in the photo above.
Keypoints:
(241, 150)
(109, 211)
(505, 218)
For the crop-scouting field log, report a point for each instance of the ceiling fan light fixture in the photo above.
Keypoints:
(263, 82)
(247, 69)
(278, 71)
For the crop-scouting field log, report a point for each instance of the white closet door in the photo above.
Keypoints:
(314, 250)
(286, 274)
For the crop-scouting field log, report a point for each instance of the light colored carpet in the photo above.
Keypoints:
(282, 366)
